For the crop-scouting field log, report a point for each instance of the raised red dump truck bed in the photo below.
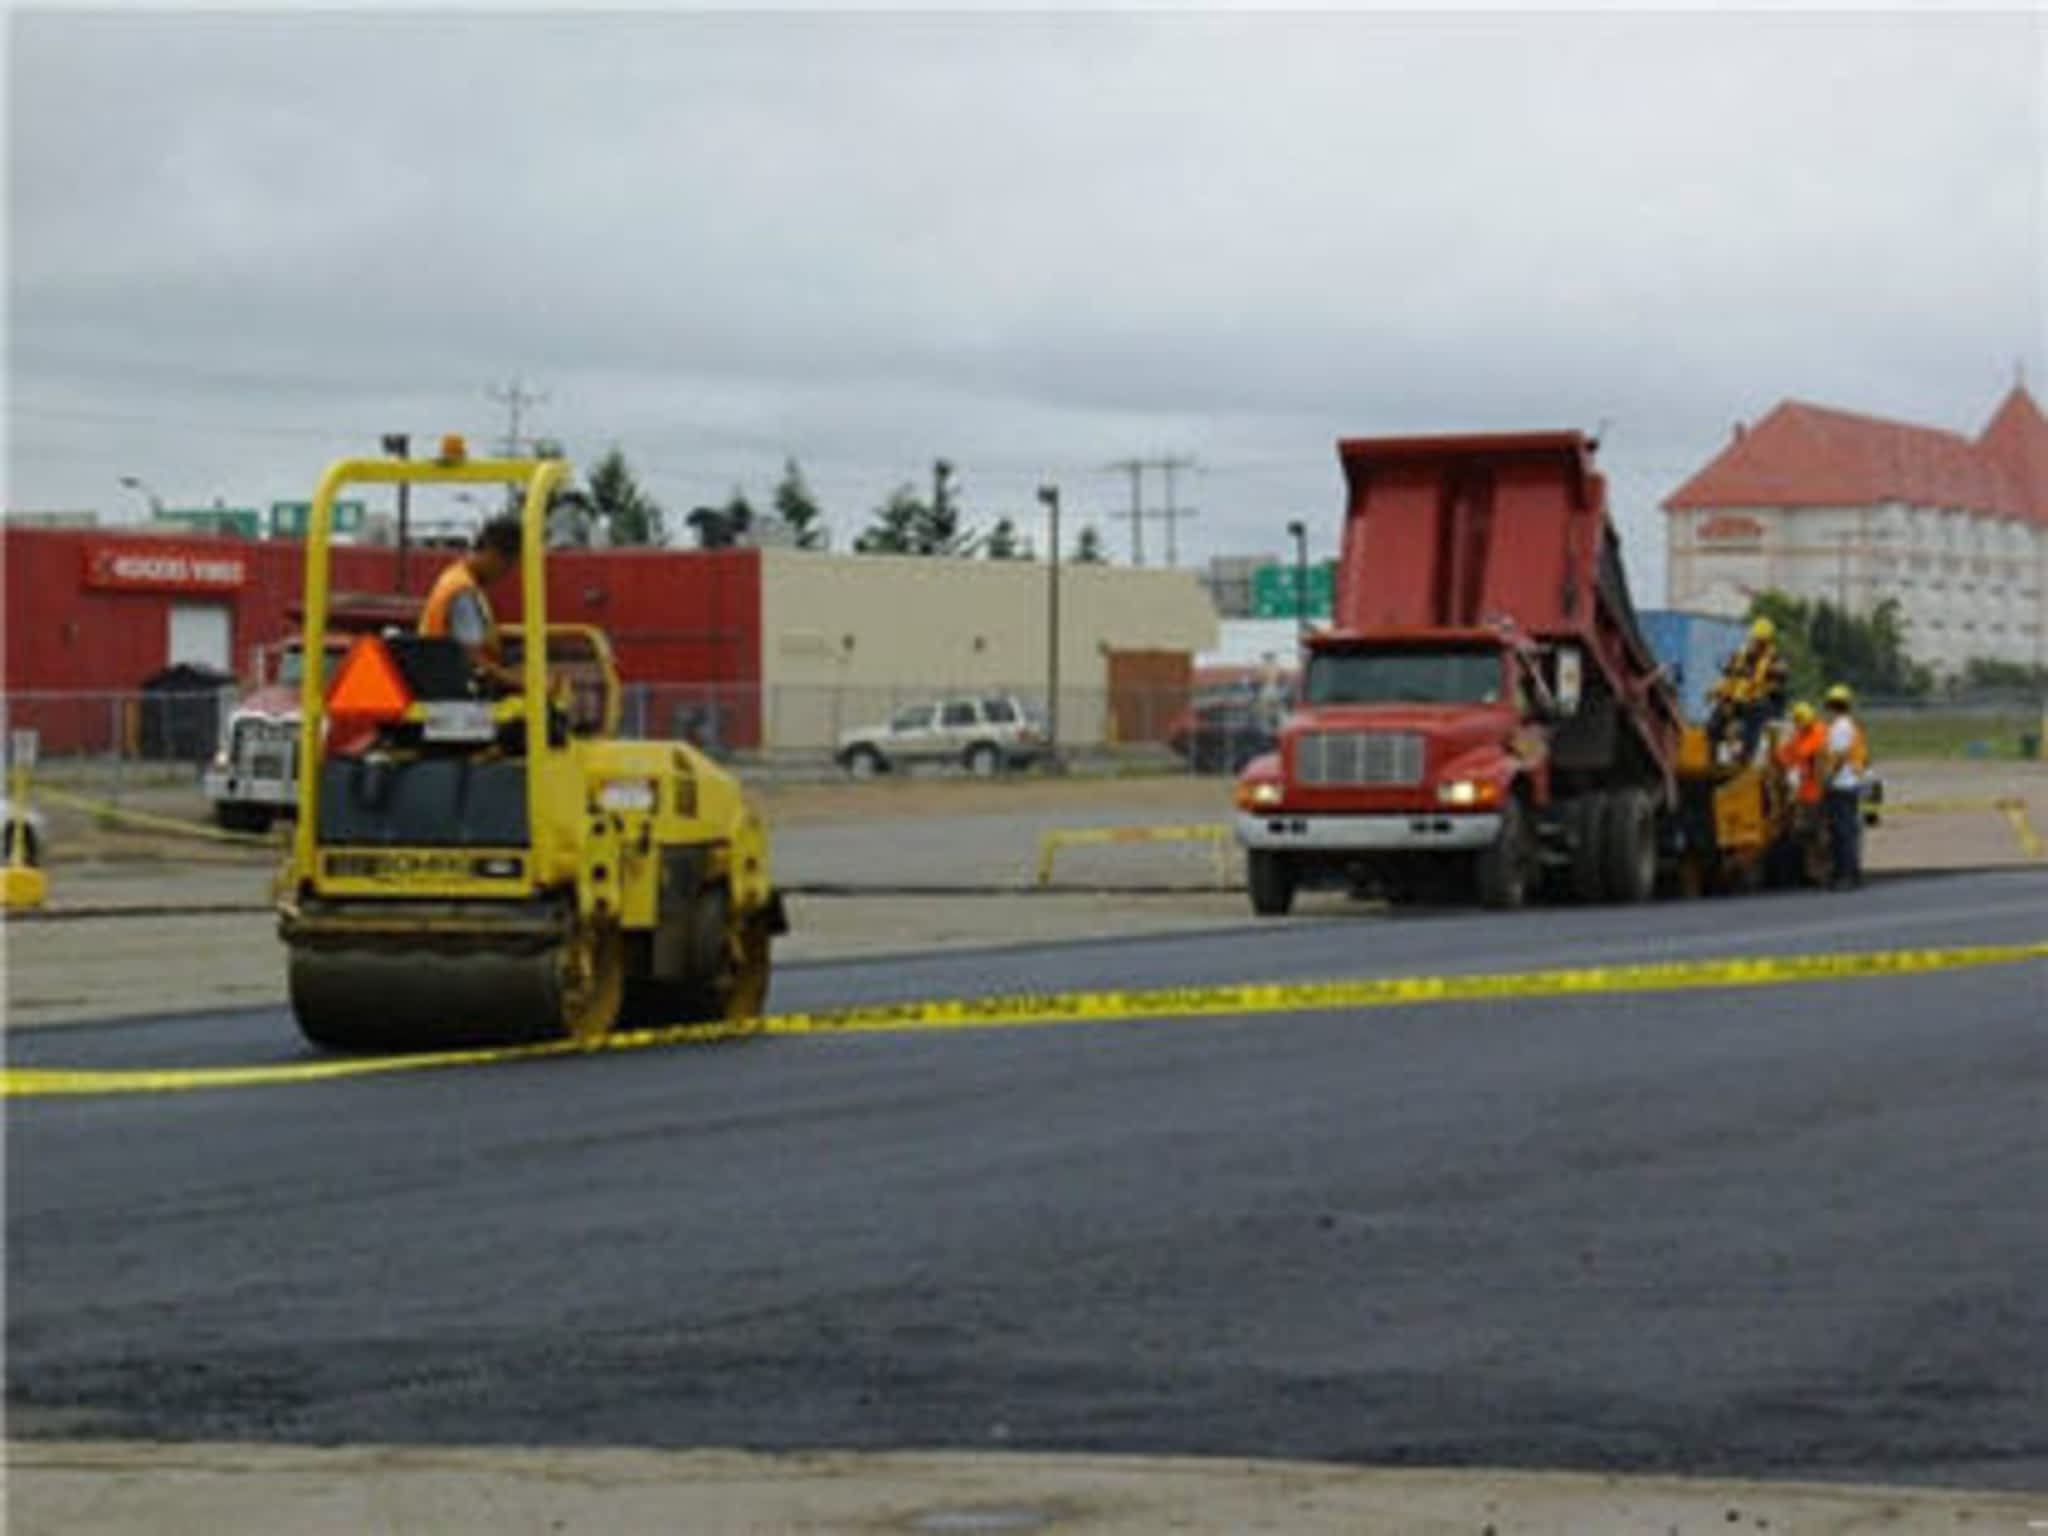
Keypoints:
(1458, 532)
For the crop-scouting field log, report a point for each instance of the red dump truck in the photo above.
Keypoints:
(1483, 718)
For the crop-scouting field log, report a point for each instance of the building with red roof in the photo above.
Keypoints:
(1819, 503)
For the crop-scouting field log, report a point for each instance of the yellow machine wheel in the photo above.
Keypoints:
(399, 990)
(747, 991)
(732, 979)
(593, 983)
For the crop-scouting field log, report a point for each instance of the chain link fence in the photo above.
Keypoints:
(168, 735)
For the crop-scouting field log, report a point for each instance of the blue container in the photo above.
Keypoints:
(1695, 646)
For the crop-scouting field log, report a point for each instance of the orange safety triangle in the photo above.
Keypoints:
(369, 684)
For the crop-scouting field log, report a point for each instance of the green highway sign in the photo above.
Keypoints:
(242, 522)
(288, 519)
(1276, 591)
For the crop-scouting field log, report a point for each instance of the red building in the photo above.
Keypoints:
(91, 615)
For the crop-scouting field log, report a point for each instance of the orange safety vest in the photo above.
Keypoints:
(450, 584)
(1802, 755)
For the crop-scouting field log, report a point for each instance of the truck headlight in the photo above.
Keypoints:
(1464, 792)
(626, 795)
(1261, 796)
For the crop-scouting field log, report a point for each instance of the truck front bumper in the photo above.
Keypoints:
(239, 789)
(1421, 832)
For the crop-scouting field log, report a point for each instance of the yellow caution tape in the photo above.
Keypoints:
(1050, 843)
(108, 811)
(1024, 1010)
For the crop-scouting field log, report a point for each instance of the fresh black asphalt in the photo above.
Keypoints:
(1790, 1231)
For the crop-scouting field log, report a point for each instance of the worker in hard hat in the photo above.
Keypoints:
(459, 606)
(1751, 692)
(1845, 769)
(1799, 756)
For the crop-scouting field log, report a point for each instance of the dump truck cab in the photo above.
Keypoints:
(471, 867)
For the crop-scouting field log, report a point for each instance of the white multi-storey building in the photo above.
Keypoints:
(1823, 503)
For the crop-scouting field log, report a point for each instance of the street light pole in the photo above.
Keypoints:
(399, 446)
(1050, 496)
(1299, 531)
(146, 491)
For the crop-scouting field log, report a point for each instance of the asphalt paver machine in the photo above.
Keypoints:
(470, 868)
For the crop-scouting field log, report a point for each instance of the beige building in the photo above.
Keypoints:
(845, 639)
(1823, 503)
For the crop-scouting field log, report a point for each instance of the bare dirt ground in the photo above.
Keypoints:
(916, 834)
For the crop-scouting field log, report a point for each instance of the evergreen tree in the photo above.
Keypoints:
(629, 515)
(798, 508)
(939, 530)
(1088, 548)
(896, 526)
(1001, 543)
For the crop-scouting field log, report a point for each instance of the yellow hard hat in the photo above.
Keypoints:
(1840, 694)
(1763, 629)
(1802, 713)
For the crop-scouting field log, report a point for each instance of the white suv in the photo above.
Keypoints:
(984, 735)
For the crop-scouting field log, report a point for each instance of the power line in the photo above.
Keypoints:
(1173, 511)
(515, 397)
(1135, 468)
(1171, 514)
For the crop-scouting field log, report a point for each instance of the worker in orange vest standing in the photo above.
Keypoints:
(1799, 756)
(459, 606)
(1844, 764)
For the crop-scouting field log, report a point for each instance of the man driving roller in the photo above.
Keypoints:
(459, 606)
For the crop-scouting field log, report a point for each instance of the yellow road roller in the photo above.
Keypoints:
(478, 869)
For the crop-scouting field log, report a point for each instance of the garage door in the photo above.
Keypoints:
(201, 634)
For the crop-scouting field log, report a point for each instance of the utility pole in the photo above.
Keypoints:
(1050, 496)
(1135, 468)
(399, 446)
(1298, 531)
(1173, 512)
(515, 397)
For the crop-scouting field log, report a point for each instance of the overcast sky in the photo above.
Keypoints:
(241, 245)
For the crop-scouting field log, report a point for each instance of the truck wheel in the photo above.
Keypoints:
(864, 763)
(1271, 880)
(983, 760)
(1629, 846)
(240, 816)
(1589, 822)
(1503, 869)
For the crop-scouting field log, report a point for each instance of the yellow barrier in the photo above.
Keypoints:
(1150, 1005)
(2022, 829)
(106, 810)
(23, 887)
(2012, 808)
(1050, 843)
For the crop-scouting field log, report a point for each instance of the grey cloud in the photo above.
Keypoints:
(1028, 242)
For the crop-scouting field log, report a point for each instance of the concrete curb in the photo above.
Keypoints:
(174, 1489)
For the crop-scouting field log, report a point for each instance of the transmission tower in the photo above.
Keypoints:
(516, 398)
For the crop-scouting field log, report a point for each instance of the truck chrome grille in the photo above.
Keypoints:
(264, 749)
(1358, 757)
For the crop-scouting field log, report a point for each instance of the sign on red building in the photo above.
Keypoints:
(152, 565)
